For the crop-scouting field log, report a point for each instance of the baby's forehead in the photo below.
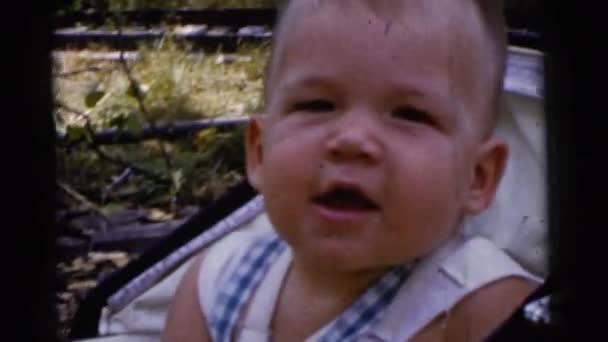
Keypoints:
(402, 28)
(412, 13)
(446, 35)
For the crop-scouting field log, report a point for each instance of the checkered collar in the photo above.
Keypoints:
(239, 286)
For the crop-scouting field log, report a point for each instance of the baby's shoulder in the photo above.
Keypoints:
(461, 292)
(479, 313)
(467, 288)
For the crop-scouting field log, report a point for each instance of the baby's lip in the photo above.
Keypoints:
(345, 196)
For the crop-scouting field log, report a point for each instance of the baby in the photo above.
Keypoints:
(375, 144)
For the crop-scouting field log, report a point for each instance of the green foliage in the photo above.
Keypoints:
(91, 99)
(77, 5)
(176, 84)
(229, 3)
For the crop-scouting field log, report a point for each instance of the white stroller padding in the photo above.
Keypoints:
(517, 219)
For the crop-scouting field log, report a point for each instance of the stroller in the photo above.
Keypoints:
(131, 305)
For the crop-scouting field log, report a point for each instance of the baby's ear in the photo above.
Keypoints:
(254, 151)
(487, 173)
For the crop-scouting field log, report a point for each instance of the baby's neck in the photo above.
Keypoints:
(324, 282)
(312, 296)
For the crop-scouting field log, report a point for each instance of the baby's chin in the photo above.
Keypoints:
(348, 259)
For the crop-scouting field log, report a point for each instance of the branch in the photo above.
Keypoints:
(79, 71)
(77, 196)
(72, 110)
(122, 178)
(81, 198)
(138, 94)
(166, 132)
(103, 155)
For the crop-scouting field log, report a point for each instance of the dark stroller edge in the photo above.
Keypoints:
(520, 328)
(86, 320)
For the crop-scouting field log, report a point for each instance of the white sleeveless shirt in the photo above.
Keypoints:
(434, 286)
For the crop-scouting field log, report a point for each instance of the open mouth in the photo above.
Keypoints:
(345, 199)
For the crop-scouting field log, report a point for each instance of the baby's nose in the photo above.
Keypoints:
(354, 138)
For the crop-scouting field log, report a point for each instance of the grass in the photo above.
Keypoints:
(142, 4)
(178, 84)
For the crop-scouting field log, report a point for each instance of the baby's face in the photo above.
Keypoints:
(363, 156)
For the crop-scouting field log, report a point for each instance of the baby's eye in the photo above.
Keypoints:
(413, 114)
(314, 106)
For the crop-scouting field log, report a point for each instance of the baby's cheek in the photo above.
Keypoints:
(422, 209)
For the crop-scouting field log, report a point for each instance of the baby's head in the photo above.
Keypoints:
(376, 138)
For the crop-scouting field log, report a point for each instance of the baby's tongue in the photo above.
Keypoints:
(347, 200)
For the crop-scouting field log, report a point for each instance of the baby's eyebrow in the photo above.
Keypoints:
(308, 82)
(399, 88)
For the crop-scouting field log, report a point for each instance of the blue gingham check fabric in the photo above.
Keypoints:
(368, 309)
(234, 294)
(350, 325)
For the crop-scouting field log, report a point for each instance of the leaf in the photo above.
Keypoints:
(82, 285)
(111, 208)
(119, 259)
(158, 215)
(130, 92)
(85, 267)
(75, 133)
(65, 296)
(133, 125)
(178, 179)
(118, 121)
(136, 91)
(205, 138)
(93, 97)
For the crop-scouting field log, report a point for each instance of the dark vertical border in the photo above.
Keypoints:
(28, 159)
(575, 112)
